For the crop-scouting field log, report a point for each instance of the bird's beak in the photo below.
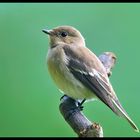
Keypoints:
(47, 31)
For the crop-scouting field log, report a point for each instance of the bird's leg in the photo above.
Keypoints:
(80, 104)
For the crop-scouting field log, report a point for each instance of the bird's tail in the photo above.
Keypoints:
(122, 113)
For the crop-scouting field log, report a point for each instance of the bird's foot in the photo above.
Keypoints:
(80, 105)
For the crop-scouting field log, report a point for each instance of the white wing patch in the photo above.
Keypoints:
(99, 78)
(98, 75)
(82, 72)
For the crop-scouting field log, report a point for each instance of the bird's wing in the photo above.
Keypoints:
(93, 81)
(96, 81)
(93, 77)
(90, 77)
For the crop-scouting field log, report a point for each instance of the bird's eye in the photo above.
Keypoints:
(64, 34)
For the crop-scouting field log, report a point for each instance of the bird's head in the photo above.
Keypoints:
(65, 35)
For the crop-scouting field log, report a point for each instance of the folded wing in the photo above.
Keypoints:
(97, 82)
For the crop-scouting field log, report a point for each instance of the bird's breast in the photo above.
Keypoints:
(65, 81)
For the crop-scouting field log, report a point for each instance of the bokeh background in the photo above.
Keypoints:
(29, 100)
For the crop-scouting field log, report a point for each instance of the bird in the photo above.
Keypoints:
(78, 72)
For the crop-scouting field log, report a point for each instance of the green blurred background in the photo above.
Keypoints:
(29, 100)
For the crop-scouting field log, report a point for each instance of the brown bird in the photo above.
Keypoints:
(78, 72)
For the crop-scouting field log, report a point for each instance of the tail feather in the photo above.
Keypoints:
(122, 113)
